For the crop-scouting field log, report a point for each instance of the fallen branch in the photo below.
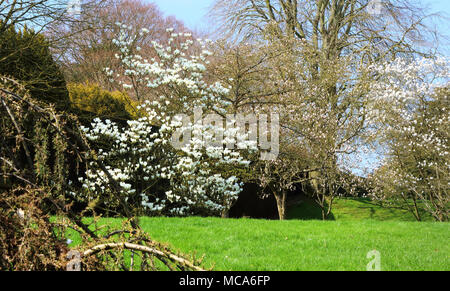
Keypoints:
(143, 249)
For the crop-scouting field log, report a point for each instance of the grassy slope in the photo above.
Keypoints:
(248, 244)
(353, 209)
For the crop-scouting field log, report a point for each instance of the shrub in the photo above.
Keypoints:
(102, 103)
(26, 57)
(27, 238)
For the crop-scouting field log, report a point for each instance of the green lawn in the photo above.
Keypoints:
(249, 244)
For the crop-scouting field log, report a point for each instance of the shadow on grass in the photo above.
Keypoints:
(353, 209)
(307, 210)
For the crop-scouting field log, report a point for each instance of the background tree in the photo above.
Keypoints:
(244, 68)
(85, 55)
(251, 71)
(331, 27)
(415, 174)
(331, 130)
(42, 15)
(25, 56)
(326, 110)
(35, 13)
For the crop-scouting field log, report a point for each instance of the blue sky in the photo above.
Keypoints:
(191, 12)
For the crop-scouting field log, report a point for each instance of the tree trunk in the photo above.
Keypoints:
(416, 210)
(281, 204)
(321, 202)
(226, 213)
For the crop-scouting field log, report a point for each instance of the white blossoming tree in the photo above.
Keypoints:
(416, 125)
(192, 178)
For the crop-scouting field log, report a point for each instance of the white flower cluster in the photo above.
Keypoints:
(403, 82)
(406, 88)
(140, 157)
(173, 66)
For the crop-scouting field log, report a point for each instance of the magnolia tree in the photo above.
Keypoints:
(415, 96)
(327, 121)
(165, 161)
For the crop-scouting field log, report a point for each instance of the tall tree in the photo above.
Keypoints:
(25, 56)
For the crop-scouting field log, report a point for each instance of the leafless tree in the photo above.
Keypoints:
(40, 14)
(43, 15)
(85, 55)
(334, 27)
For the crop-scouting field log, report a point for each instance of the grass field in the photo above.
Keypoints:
(250, 244)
